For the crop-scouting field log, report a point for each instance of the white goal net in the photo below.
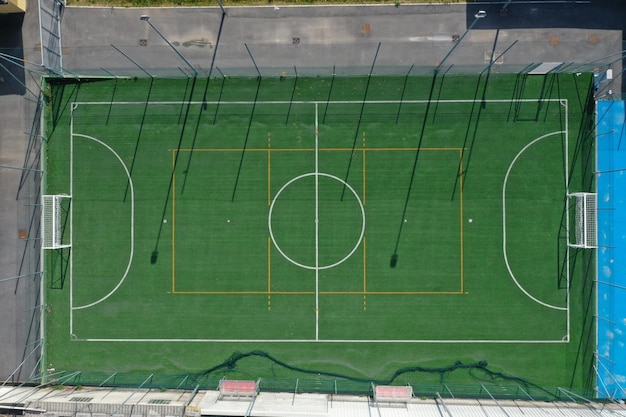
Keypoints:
(54, 215)
(585, 220)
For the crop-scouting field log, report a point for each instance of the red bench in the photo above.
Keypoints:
(392, 393)
(236, 388)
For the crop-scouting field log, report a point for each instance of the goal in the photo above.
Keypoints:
(54, 221)
(585, 220)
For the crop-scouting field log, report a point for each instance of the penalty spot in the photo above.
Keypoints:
(164, 220)
(470, 220)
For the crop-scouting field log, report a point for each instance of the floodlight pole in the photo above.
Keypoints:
(146, 19)
(479, 15)
(131, 60)
(219, 2)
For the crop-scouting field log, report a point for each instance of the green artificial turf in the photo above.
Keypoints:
(291, 217)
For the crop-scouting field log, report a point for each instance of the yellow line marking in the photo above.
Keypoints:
(391, 292)
(364, 273)
(461, 216)
(269, 266)
(269, 171)
(245, 293)
(364, 237)
(321, 293)
(364, 292)
(364, 264)
(364, 170)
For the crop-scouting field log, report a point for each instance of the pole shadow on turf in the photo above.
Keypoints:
(406, 79)
(112, 95)
(483, 104)
(204, 99)
(358, 125)
(443, 76)
(155, 253)
(293, 93)
(394, 257)
(330, 91)
(141, 124)
(144, 110)
(245, 143)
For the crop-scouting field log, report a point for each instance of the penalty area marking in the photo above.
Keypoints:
(132, 222)
(504, 250)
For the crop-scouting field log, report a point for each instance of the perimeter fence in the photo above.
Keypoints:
(273, 60)
(22, 177)
(502, 389)
(295, 60)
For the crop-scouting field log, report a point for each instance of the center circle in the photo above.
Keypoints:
(271, 230)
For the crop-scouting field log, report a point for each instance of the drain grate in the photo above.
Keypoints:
(81, 399)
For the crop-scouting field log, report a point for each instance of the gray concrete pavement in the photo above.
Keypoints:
(19, 323)
(409, 34)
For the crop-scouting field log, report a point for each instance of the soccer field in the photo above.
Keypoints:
(352, 225)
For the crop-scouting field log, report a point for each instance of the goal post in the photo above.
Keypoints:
(55, 210)
(585, 220)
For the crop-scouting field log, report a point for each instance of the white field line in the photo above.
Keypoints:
(132, 222)
(143, 103)
(433, 341)
(270, 215)
(564, 103)
(73, 107)
(317, 230)
(504, 250)
(424, 341)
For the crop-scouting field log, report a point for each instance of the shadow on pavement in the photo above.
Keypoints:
(597, 14)
(12, 75)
